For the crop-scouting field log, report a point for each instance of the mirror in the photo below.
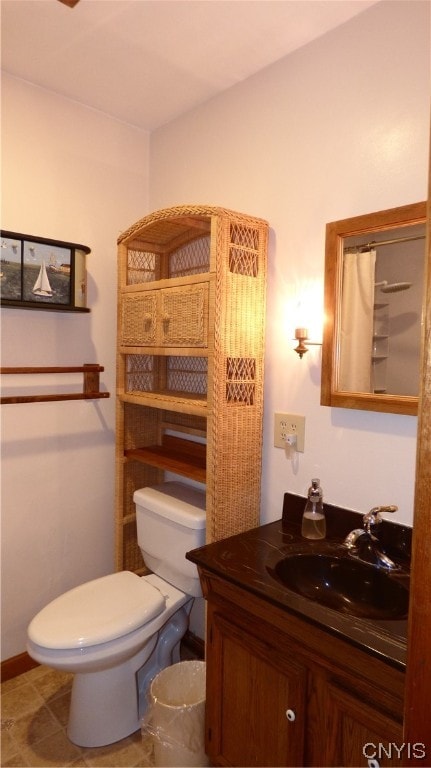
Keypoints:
(374, 277)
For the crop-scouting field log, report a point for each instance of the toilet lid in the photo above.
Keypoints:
(97, 611)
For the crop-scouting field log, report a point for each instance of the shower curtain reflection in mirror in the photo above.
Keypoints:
(374, 271)
(356, 336)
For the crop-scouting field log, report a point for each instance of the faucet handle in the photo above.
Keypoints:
(373, 517)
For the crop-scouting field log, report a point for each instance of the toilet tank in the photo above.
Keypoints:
(171, 520)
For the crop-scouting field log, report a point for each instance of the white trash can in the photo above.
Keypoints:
(177, 715)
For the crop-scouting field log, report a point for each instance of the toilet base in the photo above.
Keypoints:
(106, 706)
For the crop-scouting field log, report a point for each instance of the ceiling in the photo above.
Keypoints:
(146, 62)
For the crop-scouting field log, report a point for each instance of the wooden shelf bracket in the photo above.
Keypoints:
(91, 383)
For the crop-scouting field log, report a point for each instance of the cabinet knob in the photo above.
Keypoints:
(147, 317)
(290, 715)
(373, 763)
(166, 318)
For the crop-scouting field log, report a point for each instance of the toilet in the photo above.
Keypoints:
(117, 632)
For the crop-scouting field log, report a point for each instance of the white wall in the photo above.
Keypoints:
(69, 173)
(337, 129)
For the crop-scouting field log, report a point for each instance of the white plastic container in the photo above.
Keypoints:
(176, 716)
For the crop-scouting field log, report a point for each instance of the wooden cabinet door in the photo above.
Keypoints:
(358, 734)
(255, 698)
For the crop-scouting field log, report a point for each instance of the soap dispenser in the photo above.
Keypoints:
(313, 519)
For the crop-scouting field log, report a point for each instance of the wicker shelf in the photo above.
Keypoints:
(167, 402)
(184, 457)
(190, 361)
(168, 282)
(142, 350)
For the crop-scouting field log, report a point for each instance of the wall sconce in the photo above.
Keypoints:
(301, 335)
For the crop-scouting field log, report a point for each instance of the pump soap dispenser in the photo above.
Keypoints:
(313, 519)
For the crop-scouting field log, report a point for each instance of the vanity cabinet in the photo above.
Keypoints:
(255, 695)
(282, 691)
(190, 354)
(360, 733)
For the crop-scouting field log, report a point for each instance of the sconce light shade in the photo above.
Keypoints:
(301, 334)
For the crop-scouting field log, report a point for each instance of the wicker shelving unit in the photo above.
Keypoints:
(191, 315)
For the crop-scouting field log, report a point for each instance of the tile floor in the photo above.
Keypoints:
(34, 715)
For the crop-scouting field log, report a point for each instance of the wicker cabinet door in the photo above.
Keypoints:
(184, 316)
(139, 319)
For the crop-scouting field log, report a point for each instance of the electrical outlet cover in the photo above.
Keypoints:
(288, 424)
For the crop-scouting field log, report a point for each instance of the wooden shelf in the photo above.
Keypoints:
(91, 386)
(183, 457)
(129, 518)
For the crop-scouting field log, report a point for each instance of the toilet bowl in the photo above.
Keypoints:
(117, 632)
(105, 697)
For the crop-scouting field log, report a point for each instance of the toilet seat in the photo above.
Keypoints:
(96, 612)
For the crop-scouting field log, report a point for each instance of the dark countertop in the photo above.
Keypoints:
(246, 560)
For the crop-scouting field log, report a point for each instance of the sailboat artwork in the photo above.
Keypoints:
(41, 273)
(42, 286)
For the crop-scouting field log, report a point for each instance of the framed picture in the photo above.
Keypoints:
(38, 273)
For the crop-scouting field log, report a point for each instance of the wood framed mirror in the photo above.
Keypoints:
(374, 280)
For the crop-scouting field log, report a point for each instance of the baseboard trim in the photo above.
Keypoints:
(16, 665)
(195, 644)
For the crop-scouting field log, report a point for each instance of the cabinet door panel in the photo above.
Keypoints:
(184, 316)
(260, 713)
(360, 735)
(139, 319)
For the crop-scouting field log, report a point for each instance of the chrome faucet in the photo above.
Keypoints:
(362, 543)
